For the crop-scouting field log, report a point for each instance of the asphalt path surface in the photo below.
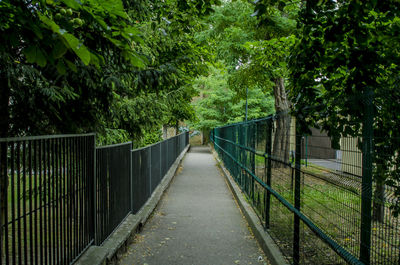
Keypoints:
(196, 222)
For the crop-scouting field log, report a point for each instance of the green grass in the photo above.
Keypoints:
(333, 208)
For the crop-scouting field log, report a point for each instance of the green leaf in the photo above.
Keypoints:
(40, 58)
(79, 49)
(75, 4)
(71, 66)
(59, 50)
(96, 60)
(33, 54)
(77, 46)
(49, 23)
(37, 31)
(30, 54)
(61, 68)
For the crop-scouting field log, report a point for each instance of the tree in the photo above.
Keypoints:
(52, 58)
(266, 65)
(346, 50)
(219, 105)
(68, 63)
(163, 88)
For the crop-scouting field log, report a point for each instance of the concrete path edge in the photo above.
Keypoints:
(267, 244)
(116, 244)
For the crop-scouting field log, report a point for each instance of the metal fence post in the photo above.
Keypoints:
(131, 175)
(149, 170)
(296, 234)
(366, 193)
(94, 232)
(268, 166)
(252, 157)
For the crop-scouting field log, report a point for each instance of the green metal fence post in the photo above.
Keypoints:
(252, 157)
(268, 162)
(366, 194)
(306, 151)
(296, 235)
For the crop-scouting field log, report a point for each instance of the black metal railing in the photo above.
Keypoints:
(113, 187)
(61, 194)
(309, 195)
(150, 164)
(48, 216)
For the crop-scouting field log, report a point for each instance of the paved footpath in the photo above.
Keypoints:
(197, 222)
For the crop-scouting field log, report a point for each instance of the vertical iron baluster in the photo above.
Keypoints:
(5, 202)
(88, 198)
(53, 201)
(70, 197)
(31, 230)
(85, 191)
(80, 176)
(41, 200)
(6, 241)
(19, 218)
(97, 205)
(70, 175)
(93, 184)
(64, 201)
(23, 214)
(75, 198)
(14, 237)
(45, 200)
(50, 198)
(59, 200)
(24, 201)
(35, 168)
(57, 203)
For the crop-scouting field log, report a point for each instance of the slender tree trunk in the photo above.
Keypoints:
(4, 131)
(177, 128)
(281, 144)
(165, 131)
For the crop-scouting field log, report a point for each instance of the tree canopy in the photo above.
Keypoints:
(347, 55)
(80, 66)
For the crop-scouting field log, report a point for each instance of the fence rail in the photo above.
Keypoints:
(61, 194)
(307, 194)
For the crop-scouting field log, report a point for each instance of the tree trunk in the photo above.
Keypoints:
(165, 132)
(177, 128)
(280, 150)
(4, 131)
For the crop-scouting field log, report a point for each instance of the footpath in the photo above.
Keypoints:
(196, 222)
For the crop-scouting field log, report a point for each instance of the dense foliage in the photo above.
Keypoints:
(218, 105)
(228, 33)
(347, 55)
(105, 66)
(125, 68)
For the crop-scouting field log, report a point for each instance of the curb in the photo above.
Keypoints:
(267, 244)
(116, 244)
